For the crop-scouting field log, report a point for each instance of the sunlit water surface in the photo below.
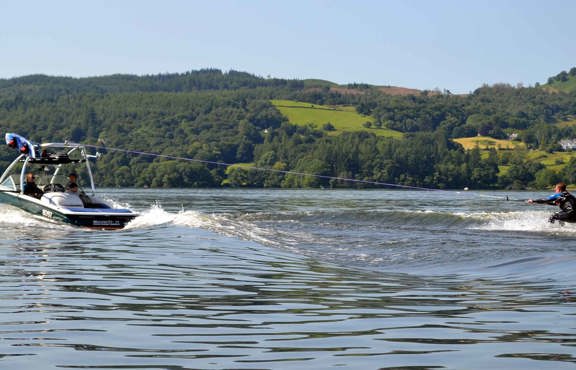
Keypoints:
(235, 279)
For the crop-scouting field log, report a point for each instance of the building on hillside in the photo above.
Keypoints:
(568, 144)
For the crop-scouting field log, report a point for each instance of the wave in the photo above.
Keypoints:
(492, 221)
(534, 222)
(437, 242)
(156, 215)
(541, 268)
(10, 217)
(14, 218)
(425, 242)
(288, 229)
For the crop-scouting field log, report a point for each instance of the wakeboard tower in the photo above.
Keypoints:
(50, 163)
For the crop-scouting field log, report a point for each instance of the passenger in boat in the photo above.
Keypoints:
(72, 188)
(30, 187)
(72, 179)
(563, 199)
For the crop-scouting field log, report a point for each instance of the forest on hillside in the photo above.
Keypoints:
(220, 118)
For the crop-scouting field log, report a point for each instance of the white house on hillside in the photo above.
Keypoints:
(568, 144)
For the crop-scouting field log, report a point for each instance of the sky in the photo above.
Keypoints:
(455, 45)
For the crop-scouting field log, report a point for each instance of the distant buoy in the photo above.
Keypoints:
(466, 188)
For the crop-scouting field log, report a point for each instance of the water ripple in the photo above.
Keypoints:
(172, 296)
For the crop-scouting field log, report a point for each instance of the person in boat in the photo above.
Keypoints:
(30, 187)
(72, 179)
(72, 188)
(563, 199)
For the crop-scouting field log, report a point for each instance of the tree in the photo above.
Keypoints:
(328, 127)
(546, 178)
(210, 117)
(522, 173)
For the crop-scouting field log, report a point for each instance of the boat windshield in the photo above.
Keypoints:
(9, 183)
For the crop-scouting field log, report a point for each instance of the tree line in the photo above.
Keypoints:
(216, 119)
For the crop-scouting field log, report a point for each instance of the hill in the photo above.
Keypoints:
(564, 82)
(376, 134)
(200, 80)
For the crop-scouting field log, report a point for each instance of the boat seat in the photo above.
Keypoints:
(62, 199)
(53, 187)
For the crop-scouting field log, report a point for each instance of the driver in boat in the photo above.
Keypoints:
(30, 187)
(563, 199)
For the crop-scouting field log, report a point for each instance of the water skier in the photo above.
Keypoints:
(563, 199)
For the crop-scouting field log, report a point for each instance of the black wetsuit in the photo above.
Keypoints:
(567, 204)
(30, 188)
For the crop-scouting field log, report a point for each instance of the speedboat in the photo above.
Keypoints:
(49, 164)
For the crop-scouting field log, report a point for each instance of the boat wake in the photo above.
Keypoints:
(223, 224)
(479, 244)
(534, 222)
(426, 242)
(157, 216)
(289, 229)
(14, 218)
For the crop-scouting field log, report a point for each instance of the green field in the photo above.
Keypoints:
(554, 161)
(565, 86)
(342, 118)
(569, 123)
(486, 142)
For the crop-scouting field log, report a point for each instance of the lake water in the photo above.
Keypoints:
(309, 279)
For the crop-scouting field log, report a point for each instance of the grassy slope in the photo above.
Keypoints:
(343, 118)
(571, 122)
(566, 86)
(485, 143)
(554, 161)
